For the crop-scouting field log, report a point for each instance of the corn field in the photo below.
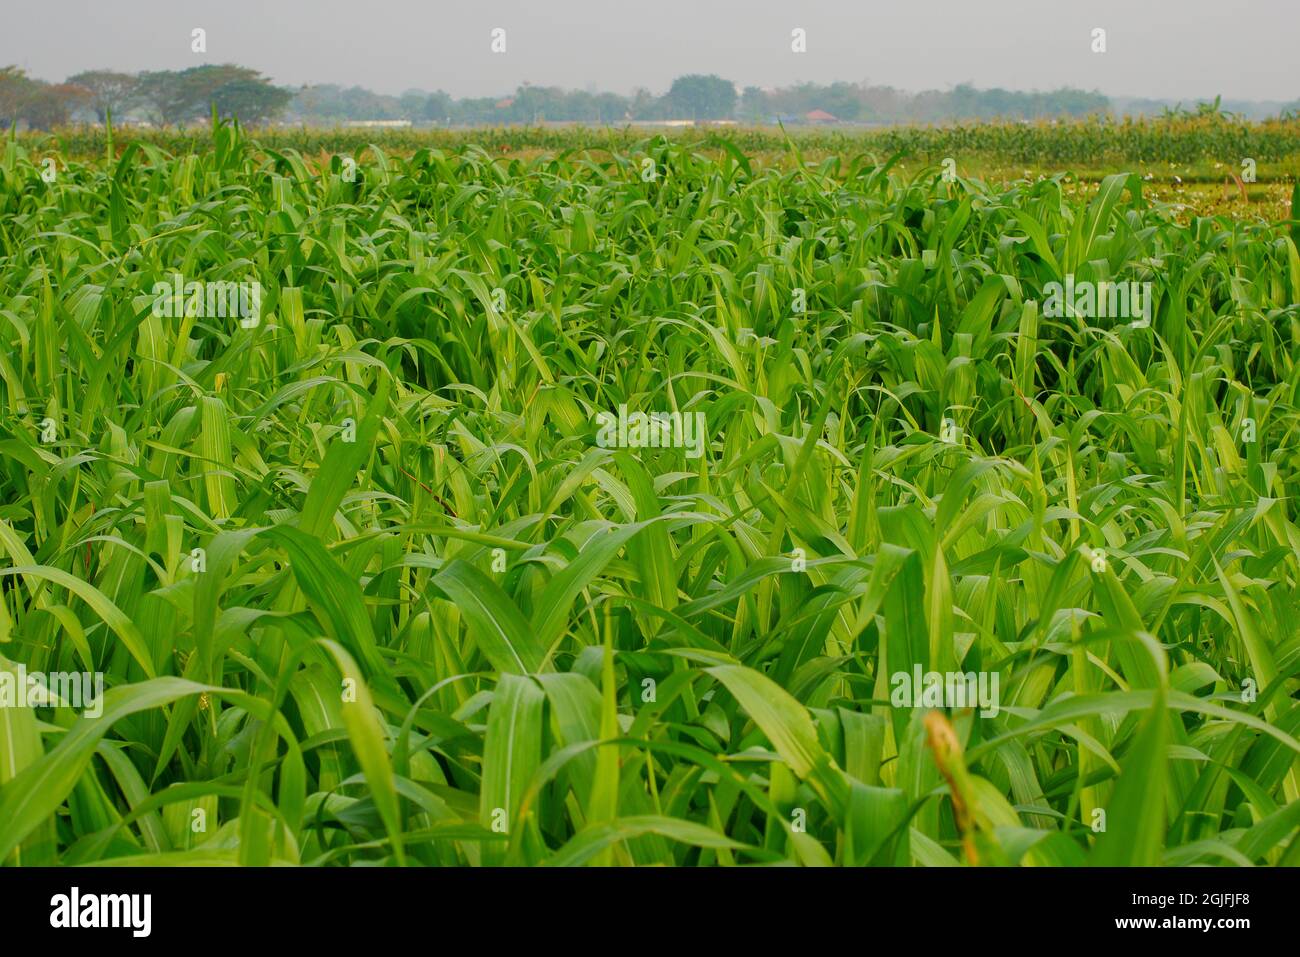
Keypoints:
(616, 506)
(1055, 143)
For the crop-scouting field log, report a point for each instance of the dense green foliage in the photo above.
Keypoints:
(436, 622)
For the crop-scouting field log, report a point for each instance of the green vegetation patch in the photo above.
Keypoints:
(653, 506)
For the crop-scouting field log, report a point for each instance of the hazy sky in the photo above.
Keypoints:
(1180, 49)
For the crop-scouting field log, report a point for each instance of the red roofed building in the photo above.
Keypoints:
(820, 116)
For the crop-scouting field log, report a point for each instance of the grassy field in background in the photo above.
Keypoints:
(368, 584)
(1194, 162)
(1215, 137)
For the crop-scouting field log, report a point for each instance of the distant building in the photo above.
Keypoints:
(386, 124)
(820, 116)
(505, 104)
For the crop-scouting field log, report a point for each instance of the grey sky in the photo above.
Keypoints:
(1180, 49)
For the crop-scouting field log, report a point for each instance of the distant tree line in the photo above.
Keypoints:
(161, 97)
(690, 97)
(694, 97)
(41, 105)
(180, 97)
